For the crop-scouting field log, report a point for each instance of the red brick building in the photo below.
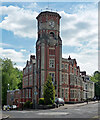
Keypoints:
(48, 51)
(65, 73)
(70, 84)
(13, 97)
(27, 92)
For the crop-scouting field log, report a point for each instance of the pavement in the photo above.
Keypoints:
(66, 106)
(4, 116)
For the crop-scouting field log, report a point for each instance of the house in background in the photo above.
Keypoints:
(88, 86)
(13, 97)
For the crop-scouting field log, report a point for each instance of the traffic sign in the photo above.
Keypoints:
(35, 93)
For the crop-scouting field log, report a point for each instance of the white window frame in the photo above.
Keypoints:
(72, 96)
(52, 63)
(62, 65)
(63, 77)
(29, 93)
(66, 95)
(52, 74)
(66, 66)
(62, 92)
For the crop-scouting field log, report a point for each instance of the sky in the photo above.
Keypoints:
(78, 31)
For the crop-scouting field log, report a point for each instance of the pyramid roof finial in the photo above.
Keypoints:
(69, 58)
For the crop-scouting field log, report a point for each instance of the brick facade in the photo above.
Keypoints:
(66, 75)
(69, 82)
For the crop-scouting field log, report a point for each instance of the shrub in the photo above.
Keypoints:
(31, 105)
(27, 104)
(49, 91)
(41, 101)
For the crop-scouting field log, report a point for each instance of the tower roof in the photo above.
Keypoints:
(48, 13)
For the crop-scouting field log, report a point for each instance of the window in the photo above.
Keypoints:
(30, 68)
(62, 78)
(23, 94)
(75, 94)
(62, 93)
(75, 81)
(75, 71)
(71, 80)
(26, 81)
(66, 78)
(66, 93)
(66, 67)
(26, 69)
(29, 93)
(86, 86)
(26, 93)
(53, 77)
(51, 34)
(30, 80)
(52, 63)
(71, 93)
(62, 66)
(70, 69)
(51, 51)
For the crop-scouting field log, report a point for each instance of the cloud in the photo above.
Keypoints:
(78, 30)
(23, 50)
(15, 56)
(79, 26)
(19, 67)
(21, 22)
(87, 61)
(4, 45)
(32, 5)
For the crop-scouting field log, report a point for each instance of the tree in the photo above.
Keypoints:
(96, 79)
(49, 91)
(96, 76)
(11, 76)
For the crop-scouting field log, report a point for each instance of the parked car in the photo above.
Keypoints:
(6, 107)
(13, 107)
(59, 101)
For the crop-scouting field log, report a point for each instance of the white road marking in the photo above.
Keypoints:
(54, 113)
(76, 109)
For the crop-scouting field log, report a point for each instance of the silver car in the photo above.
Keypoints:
(59, 101)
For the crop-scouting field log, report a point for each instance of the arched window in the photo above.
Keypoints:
(51, 34)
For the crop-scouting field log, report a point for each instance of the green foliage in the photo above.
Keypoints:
(49, 91)
(27, 104)
(11, 76)
(31, 105)
(41, 101)
(96, 79)
(97, 89)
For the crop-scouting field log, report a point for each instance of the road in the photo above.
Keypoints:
(85, 111)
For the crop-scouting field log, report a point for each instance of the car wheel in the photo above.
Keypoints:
(57, 106)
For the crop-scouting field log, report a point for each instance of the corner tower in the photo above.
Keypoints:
(48, 51)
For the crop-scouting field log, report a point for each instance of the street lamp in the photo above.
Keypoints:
(35, 93)
(8, 86)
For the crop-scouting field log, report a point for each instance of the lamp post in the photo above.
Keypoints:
(8, 86)
(35, 93)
